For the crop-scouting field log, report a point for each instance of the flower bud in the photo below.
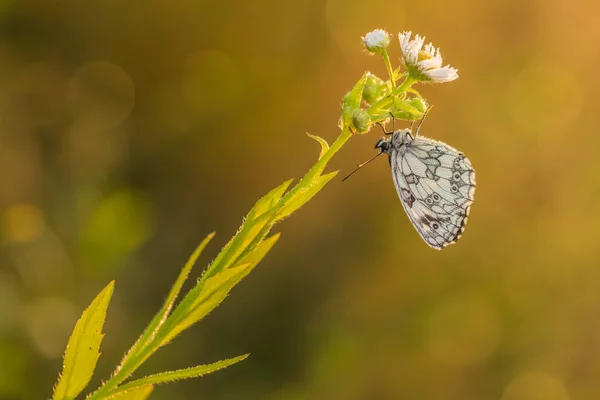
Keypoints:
(361, 120)
(409, 109)
(419, 103)
(375, 88)
(377, 41)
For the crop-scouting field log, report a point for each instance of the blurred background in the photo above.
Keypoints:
(131, 129)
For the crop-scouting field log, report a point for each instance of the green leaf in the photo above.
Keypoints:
(260, 251)
(352, 100)
(82, 350)
(186, 373)
(137, 393)
(304, 195)
(268, 201)
(247, 235)
(162, 315)
(258, 217)
(414, 91)
(322, 142)
(202, 299)
(399, 74)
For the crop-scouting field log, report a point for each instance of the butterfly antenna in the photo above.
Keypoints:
(421, 120)
(359, 166)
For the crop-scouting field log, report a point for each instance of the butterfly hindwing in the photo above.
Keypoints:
(436, 185)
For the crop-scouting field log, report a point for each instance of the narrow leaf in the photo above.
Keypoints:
(260, 251)
(186, 373)
(196, 306)
(398, 73)
(82, 350)
(411, 90)
(304, 195)
(162, 315)
(352, 100)
(322, 142)
(247, 235)
(204, 298)
(136, 393)
(268, 201)
(253, 224)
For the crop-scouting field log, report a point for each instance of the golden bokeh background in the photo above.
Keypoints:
(131, 129)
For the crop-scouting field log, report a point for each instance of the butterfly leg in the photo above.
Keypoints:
(383, 129)
(393, 126)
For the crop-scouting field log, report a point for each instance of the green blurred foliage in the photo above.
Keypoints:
(152, 123)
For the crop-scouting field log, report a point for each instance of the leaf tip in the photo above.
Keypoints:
(275, 237)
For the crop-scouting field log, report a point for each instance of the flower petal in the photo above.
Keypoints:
(429, 63)
(444, 74)
(404, 38)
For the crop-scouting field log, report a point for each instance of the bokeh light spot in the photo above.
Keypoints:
(536, 386)
(22, 222)
(49, 322)
(120, 223)
(101, 95)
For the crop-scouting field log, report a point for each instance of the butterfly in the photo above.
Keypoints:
(435, 183)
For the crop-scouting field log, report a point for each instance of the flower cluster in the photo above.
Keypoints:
(375, 100)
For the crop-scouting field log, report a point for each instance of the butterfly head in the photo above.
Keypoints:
(383, 144)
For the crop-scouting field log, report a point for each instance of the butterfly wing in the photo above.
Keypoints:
(436, 185)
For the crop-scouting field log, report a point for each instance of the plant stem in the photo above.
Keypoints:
(146, 351)
(304, 183)
(386, 102)
(388, 65)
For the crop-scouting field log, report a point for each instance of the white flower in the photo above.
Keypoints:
(424, 63)
(376, 41)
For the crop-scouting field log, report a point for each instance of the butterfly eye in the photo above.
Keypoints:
(428, 200)
(456, 176)
(436, 197)
(435, 226)
(454, 188)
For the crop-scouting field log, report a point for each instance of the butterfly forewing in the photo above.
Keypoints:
(436, 185)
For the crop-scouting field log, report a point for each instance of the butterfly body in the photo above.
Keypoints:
(435, 183)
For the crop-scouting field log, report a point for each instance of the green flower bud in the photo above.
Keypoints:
(361, 120)
(419, 103)
(375, 88)
(409, 109)
(403, 114)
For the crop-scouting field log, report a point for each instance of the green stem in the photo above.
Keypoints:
(388, 65)
(128, 368)
(388, 100)
(304, 182)
(132, 364)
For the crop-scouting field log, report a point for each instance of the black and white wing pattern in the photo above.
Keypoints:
(436, 184)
